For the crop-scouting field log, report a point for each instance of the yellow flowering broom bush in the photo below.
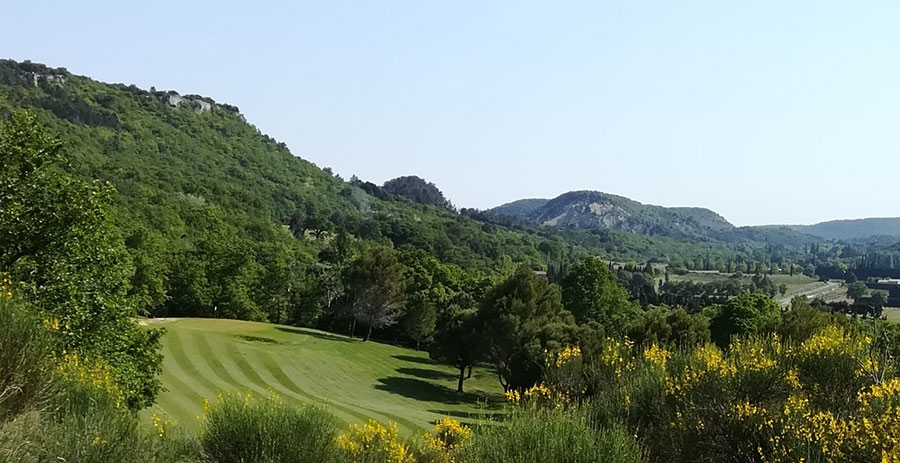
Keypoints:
(374, 442)
(833, 398)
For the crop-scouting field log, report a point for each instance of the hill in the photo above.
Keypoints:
(221, 220)
(520, 209)
(592, 210)
(852, 229)
(356, 380)
(218, 216)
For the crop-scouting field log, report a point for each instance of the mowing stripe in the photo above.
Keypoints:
(279, 376)
(186, 398)
(183, 359)
(218, 368)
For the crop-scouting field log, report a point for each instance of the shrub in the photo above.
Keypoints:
(25, 367)
(444, 443)
(374, 442)
(265, 430)
(550, 435)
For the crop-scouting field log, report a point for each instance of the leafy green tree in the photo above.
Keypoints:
(857, 290)
(591, 293)
(522, 316)
(879, 298)
(809, 270)
(663, 325)
(377, 284)
(802, 321)
(56, 239)
(459, 341)
(742, 314)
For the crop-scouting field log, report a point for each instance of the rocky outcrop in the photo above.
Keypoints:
(596, 210)
(198, 103)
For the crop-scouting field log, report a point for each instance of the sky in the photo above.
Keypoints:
(765, 111)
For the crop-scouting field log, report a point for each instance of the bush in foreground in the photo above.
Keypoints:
(240, 429)
(551, 435)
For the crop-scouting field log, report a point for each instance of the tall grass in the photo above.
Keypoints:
(25, 361)
(550, 435)
(264, 430)
(47, 418)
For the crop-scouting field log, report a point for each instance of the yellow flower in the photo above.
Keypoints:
(657, 355)
(374, 442)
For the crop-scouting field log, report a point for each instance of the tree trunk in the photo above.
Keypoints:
(462, 377)
(369, 333)
(470, 372)
(352, 328)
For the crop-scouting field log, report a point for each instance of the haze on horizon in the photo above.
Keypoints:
(765, 112)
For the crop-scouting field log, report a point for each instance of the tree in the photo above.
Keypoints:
(662, 325)
(742, 314)
(802, 321)
(56, 238)
(419, 318)
(857, 290)
(879, 298)
(522, 316)
(459, 341)
(591, 293)
(377, 283)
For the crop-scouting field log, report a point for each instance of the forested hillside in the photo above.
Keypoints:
(852, 229)
(214, 212)
(219, 219)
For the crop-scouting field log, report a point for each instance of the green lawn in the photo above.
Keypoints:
(356, 380)
(892, 314)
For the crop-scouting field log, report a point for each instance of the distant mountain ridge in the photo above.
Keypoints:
(594, 209)
(591, 210)
(852, 229)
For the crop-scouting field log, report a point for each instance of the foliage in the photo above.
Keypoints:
(521, 317)
(460, 341)
(539, 436)
(25, 351)
(377, 283)
(442, 445)
(67, 409)
(802, 321)
(374, 442)
(669, 327)
(833, 397)
(743, 314)
(245, 428)
(591, 293)
(417, 190)
(857, 290)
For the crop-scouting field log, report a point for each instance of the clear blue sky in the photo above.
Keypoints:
(764, 111)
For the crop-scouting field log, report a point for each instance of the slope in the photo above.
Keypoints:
(852, 229)
(356, 380)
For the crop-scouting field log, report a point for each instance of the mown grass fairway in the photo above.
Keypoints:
(356, 380)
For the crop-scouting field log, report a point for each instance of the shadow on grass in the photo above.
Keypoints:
(422, 390)
(425, 373)
(410, 358)
(418, 389)
(315, 334)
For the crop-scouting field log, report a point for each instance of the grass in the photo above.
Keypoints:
(356, 380)
(892, 314)
(797, 284)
